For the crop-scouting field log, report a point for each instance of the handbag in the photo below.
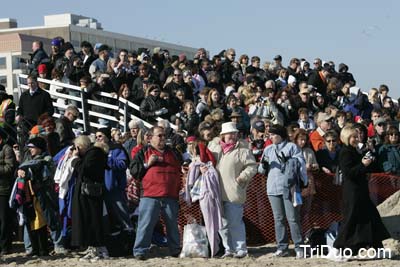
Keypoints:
(92, 189)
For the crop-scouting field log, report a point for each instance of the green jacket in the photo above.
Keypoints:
(8, 163)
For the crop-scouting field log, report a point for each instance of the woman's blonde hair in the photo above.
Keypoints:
(103, 146)
(83, 141)
(346, 133)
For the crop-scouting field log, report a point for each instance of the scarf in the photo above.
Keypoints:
(227, 147)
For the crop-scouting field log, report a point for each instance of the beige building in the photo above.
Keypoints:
(16, 43)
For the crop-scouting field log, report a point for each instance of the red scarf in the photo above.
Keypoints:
(227, 147)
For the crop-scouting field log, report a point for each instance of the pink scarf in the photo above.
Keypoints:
(227, 147)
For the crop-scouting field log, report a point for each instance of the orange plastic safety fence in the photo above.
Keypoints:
(320, 208)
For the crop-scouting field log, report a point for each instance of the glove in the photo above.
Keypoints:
(164, 110)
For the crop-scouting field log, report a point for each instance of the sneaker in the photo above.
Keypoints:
(227, 254)
(60, 251)
(91, 254)
(240, 254)
(281, 253)
(300, 255)
(334, 255)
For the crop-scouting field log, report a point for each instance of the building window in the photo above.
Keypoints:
(16, 62)
(3, 64)
(3, 80)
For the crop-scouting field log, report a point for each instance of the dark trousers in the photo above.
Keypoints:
(39, 241)
(5, 224)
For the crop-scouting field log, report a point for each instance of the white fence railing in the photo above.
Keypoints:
(90, 117)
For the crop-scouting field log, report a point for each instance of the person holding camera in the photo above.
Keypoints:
(283, 182)
(362, 226)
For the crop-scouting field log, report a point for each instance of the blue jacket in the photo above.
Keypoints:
(389, 158)
(278, 183)
(115, 174)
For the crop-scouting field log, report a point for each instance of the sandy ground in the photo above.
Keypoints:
(259, 256)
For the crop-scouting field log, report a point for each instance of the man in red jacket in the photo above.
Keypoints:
(159, 168)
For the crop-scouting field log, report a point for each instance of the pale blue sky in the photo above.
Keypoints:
(363, 34)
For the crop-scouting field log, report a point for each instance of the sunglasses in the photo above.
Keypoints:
(381, 125)
(394, 134)
(99, 136)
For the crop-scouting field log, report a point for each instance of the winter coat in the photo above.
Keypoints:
(8, 164)
(277, 181)
(389, 158)
(238, 163)
(150, 105)
(362, 225)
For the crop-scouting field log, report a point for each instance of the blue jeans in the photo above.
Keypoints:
(233, 231)
(55, 235)
(283, 208)
(149, 213)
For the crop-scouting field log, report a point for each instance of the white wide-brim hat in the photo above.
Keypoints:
(229, 127)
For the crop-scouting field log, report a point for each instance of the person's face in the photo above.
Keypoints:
(303, 116)
(301, 141)
(189, 108)
(85, 50)
(388, 103)
(326, 125)
(32, 84)
(394, 137)
(49, 128)
(71, 116)
(284, 96)
(215, 96)
(217, 62)
(232, 103)
(180, 95)
(142, 72)
(207, 135)
(117, 136)
(125, 93)
(34, 151)
(42, 75)
(375, 116)
(256, 64)
(188, 78)
(253, 84)
(230, 138)
(101, 138)
(330, 143)
(380, 128)
(134, 132)
(158, 139)
(353, 141)
(155, 92)
(123, 56)
(276, 139)
(206, 66)
(320, 100)
(245, 61)
(177, 76)
(69, 53)
(384, 93)
(317, 63)
(346, 89)
(55, 49)
(35, 46)
(235, 119)
(231, 55)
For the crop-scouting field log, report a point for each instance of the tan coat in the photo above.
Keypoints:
(238, 163)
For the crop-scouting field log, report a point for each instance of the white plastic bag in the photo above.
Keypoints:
(195, 242)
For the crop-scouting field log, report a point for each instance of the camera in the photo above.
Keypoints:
(369, 155)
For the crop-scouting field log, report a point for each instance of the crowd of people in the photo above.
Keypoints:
(103, 191)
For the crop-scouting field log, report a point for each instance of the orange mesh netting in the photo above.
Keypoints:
(319, 209)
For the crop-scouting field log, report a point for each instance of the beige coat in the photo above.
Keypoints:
(238, 163)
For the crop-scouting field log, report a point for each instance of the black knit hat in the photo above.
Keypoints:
(279, 130)
(106, 131)
(38, 142)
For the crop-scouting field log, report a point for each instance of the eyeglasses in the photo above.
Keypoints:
(99, 136)
(381, 124)
(232, 55)
(316, 63)
(330, 141)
